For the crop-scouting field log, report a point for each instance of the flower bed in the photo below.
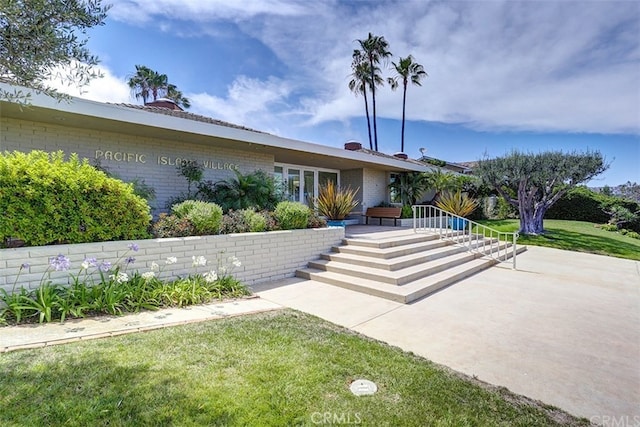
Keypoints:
(54, 282)
(262, 257)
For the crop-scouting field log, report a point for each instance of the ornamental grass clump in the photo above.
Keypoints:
(457, 203)
(335, 202)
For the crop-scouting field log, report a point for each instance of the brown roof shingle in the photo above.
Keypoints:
(188, 116)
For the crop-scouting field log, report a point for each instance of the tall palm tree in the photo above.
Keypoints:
(176, 96)
(375, 49)
(158, 83)
(138, 83)
(361, 79)
(407, 70)
(146, 83)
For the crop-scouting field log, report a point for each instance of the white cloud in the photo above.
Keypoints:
(539, 66)
(250, 102)
(144, 11)
(108, 88)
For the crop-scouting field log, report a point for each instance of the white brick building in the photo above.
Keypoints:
(147, 142)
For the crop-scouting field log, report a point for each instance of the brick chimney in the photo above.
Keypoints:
(352, 146)
(164, 103)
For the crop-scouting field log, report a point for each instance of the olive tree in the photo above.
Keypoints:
(41, 40)
(534, 182)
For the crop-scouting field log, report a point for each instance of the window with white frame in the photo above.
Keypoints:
(301, 183)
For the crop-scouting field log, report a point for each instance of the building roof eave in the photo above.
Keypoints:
(119, 118)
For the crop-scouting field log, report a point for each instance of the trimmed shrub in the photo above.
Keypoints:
(247, 220)
(172, 226)
(316, 222)
(292, 215)
(234, 222)
(205, 217)
(256, 220)
(609, 227)
(46, 200)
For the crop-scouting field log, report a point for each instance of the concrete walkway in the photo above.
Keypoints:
(35, 335)
(564, 328)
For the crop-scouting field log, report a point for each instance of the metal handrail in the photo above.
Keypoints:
(486, 241)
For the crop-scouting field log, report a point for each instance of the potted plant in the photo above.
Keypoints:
(459, 204)
(335, 203)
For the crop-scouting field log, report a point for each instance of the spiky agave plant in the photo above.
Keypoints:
(457, 203)
(335, 202)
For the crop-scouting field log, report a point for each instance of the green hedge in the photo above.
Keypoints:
(583, 204)
(46, 200)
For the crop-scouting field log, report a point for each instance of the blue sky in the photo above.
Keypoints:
(532, 76)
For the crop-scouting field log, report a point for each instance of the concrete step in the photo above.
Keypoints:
(393, 251)
(431, 251)
(403, 267)
(396, 277)
(398, 262)
(509, 252)
(405, 294)
(390, 242)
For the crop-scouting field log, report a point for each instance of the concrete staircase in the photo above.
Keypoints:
(401, 268)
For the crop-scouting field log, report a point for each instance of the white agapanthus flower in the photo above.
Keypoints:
(120, 277)
(88, 263)
(210, 276)
(171, 260)
(155, 266)
(148, 275)
(199, 261)
(236, 262)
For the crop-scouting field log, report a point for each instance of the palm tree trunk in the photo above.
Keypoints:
(366, 109)
(404, 104)
(373, 99)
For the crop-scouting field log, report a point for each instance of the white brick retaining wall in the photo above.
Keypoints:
(264, 256)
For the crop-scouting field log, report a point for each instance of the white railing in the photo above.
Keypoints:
(464, 232)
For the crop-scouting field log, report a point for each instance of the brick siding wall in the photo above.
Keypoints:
(22, 135)
(375, 187)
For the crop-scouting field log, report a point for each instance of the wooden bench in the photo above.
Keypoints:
(382, 213)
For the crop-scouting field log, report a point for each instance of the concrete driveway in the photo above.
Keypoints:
(564, 328)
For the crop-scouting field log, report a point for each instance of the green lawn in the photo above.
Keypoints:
(574, 236)
(279, 368)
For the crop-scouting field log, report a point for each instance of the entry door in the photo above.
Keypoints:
(310, 185)
(294, 184)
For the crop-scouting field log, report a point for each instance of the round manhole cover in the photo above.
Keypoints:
(363, 387)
